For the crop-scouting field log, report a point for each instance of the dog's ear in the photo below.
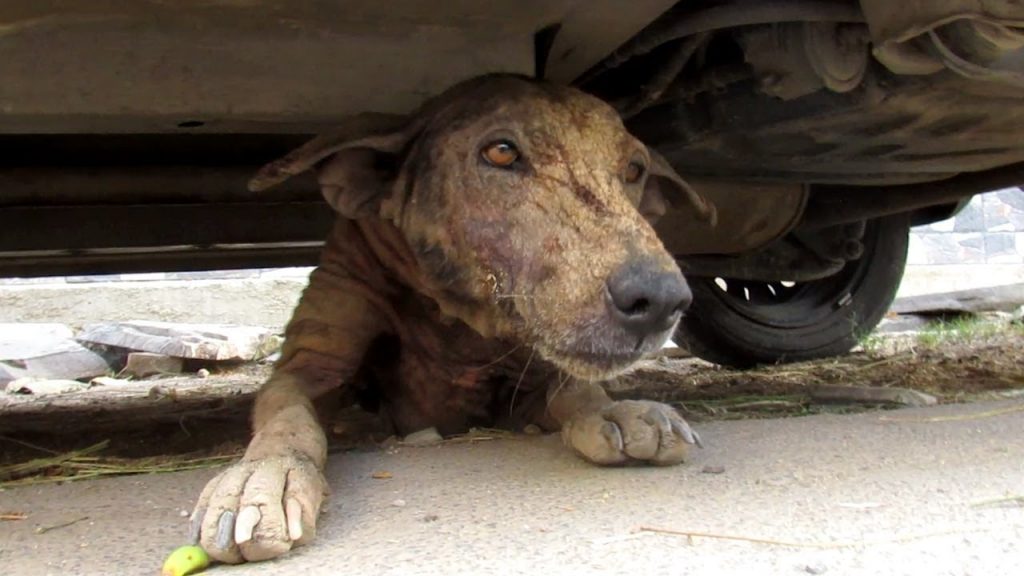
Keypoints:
(666, 187)
(356, 163)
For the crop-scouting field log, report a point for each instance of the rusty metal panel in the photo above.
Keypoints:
(593, 28)
(250, 66)
(900, 21)
(750, 215)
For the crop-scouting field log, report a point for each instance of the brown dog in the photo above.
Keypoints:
(491, 264)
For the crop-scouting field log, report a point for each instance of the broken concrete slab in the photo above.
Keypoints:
(218, 342)
(142, 364)
(45, 351)
(995, 299)
(871, 395)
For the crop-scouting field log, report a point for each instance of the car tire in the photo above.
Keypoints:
(745, 323)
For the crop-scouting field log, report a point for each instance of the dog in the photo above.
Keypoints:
(492, 262)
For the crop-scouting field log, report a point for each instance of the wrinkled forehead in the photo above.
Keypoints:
(537, 112)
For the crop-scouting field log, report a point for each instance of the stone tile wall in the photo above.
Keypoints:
(989, 230)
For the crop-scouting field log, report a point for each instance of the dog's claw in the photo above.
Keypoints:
(683, 430)
(195, 525)
(247, 520)
(225, 529)
(612, 433)
(293, 516)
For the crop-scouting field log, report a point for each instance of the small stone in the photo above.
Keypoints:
(398, 503)
(817, 568)
(430, 518)
(142, 364)
(425, 437)
(108, 381)
(713, 470)
(532, 430)
(203, 373)
(183, 513)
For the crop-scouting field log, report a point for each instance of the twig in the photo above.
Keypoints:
(882, 362)
(45, 529)
(1018, 500)
(27, 444)
(11, 516)
(808, 544)
(958, 417)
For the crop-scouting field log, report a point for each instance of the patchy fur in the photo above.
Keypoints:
(455, 293)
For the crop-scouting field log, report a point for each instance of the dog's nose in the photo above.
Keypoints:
(647, 299)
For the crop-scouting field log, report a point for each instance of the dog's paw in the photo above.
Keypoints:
(631, 431)
(258, 509)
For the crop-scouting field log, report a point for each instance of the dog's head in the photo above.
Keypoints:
(527, 206)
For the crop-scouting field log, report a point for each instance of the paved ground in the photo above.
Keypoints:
(900, 486)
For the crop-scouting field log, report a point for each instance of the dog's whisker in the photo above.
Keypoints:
(500, 358)
(563, 378)
(515, 391)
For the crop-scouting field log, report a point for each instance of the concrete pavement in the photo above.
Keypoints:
(873, 493)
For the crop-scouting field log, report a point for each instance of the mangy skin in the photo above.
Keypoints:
(458, 294)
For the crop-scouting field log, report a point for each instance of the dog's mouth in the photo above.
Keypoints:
(592, 365)
(603, 358)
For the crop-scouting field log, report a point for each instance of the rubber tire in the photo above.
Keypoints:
(809, 322)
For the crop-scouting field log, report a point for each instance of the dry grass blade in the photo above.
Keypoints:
(481, 435)
(957, 417)
(810, 544)
(86, 463)
(72, 522)
(41, 465)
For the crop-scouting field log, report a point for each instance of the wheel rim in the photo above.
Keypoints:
(783, 304)
(795, 305)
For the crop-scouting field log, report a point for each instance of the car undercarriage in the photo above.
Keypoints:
(821, 129)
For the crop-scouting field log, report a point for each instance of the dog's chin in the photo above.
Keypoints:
(583, 366)
(594, 362)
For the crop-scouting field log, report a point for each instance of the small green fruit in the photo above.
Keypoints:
(185, 560)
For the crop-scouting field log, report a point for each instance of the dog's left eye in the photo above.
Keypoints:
(634, 172)
(500, 153)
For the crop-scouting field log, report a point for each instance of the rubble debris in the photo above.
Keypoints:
(218, 342)
(871, 395)
(40, 386)
(142, 364)
(45, 351)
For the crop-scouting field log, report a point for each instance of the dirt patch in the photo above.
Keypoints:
(953, 365)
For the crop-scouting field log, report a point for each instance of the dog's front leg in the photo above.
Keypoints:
(268, 502)
(609, 432)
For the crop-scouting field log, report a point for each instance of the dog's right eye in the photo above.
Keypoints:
(501, 153)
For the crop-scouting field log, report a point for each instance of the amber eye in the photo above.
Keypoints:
(634, 172)
(501, 153)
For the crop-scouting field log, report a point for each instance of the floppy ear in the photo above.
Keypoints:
(356, 162)
(666, 187)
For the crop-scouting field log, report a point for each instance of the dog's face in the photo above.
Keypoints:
(526, 206)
